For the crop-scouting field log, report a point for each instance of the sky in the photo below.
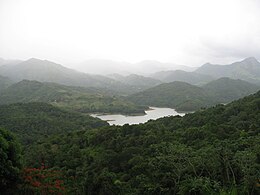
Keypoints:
(186, 32)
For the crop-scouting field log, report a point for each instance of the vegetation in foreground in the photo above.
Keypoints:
(215, 151)
(33, 121)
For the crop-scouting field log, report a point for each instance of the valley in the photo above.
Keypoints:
(152, 113)
(128, 133)
(129, 97)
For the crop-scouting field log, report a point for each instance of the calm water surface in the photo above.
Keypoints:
(154, 113)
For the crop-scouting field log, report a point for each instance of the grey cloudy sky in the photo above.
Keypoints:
(180, 31)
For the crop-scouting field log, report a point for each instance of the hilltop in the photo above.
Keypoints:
(86, 100)
(247, 69)
(186, 97)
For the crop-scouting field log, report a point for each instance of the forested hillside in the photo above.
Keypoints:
(193, 78)
(179, 95)
(137, 81)
(32, 121)
(86, 100)
(10, 162)
(47, 71)
(215, 151)
(4, 83)
(129, 97)
(186, 97)
(225, 90)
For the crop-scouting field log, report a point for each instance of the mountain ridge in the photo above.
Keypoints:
(47, 71)
(80, 99)
(186, 97)
(183, 76)
(247, 69)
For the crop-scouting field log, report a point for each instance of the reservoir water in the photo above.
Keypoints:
(152, 113)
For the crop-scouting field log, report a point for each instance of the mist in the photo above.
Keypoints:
(185, 32)
(129, 97)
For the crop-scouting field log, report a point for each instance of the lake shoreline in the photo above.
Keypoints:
(152, 113)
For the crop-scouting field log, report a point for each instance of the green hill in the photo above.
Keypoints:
(10, 161)
(137, 81)
(226, 90)
(179, 95)
(4, 83)
(32, 121)
(87, 100)
(193, 78)
(215, 151)
(186, 97)
(247, 69)
(47, 71)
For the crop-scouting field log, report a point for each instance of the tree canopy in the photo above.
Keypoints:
(10, 161)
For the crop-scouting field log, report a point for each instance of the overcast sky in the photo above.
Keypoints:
(181, 31)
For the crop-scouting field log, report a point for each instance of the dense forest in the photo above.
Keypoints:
(84, 100)
(32, 121)
(129, 97)
(212, 151)
(179, 95)
(10, 162)
(4, 83)
(183, 96)
(225, 90)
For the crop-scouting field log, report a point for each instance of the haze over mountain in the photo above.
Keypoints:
(152, 66)
(9, 62)
(103, 67)
(135, 80)
(179, 75)
(4, 82)
(2, 61)
(146, 67)
(47, 71)
(247, 69)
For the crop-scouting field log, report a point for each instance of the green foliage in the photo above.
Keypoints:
(86, 100)
(31, 121)
(10, 161)
(226, 90)
(4, 83)
(183, 76)
(139, 82)
(179, 95)
(185, 97)
(42, 181)
(47, 71)
(215, 151)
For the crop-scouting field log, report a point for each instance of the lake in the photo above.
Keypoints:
(152, 113)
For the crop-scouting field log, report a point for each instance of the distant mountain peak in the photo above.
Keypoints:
(33, 59)
(247, 69)
(207, 64)
(39, 60)
(149, 61)
(251, 60)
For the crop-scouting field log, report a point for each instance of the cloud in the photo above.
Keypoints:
(242, 48)
(183, 32)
